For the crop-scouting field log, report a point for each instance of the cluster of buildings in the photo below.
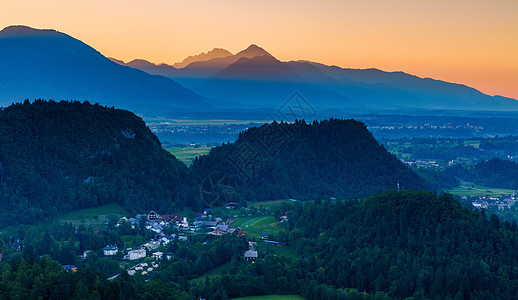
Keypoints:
(158, 223)
(487, 201)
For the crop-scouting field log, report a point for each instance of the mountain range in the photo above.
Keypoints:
(52, 65)
(254, 78)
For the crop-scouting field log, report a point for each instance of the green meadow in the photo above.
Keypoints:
(97, 216)
(471, 189)
(188, 153)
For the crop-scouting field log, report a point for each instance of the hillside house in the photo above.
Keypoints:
(206, 223)
(110, 250)
(69, 268)
(169, 218)
(135, 254)
(221, 229)
(152, 215)
(251, 255)
(158, 255)
(231, 205)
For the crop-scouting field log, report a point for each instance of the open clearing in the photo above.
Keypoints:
(266, 204)
(187, 154)
(216, 272)
(255, 226)
(470, 189)
(277, 250)
(96, 216)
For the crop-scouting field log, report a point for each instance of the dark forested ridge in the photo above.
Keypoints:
(408, 244)
(63, 156)
(330, 158)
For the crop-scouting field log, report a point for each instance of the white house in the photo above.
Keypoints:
(152, 215)
(111, 249)
(136, 254)
(251, 255)
(158, 255)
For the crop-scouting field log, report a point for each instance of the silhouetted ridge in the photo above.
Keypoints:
(21, 30)
(45, 64)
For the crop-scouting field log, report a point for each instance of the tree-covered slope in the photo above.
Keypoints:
(63, 156)
(407, 244)
(498, 173)
(331, 158)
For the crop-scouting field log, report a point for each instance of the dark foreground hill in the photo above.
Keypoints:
(406, 244)
(331, 158)
(57, 157)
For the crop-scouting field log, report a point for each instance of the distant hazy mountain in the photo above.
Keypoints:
(215, 65)
(254, 78)
(214, 53)
(199, 69)
(264, 81)
(51, 65)
(425, 93)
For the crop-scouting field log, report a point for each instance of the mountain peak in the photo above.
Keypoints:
(214, 53)
(142, 63)
(252, 51)
(22, 30)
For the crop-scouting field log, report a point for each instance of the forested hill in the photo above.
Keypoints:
(330, 158)
(407, 244)
(495, 172)
(63, 156)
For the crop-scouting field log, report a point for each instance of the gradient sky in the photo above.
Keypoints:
(474, 42)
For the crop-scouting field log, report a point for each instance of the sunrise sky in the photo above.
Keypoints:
(474, 42)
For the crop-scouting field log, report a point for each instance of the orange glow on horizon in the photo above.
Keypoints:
(469, 42)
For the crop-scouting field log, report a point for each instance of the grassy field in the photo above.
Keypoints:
(187, 154)
(9, 230)
(278, 251)
(255, 226)
(470, 189)
(266, 204)
(216, 272)
(96, 216)
(272, 297)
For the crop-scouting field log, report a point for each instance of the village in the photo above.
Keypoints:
(488, 201)
(175, 228)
